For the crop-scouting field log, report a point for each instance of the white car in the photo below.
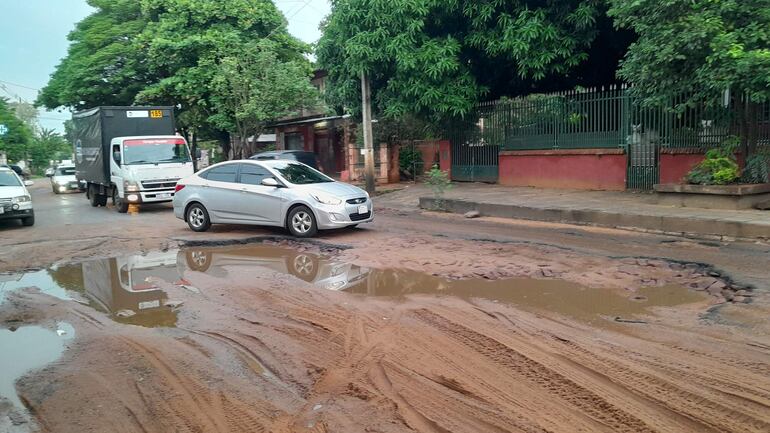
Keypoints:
(279, 193)
(63, 180)
(15, 200)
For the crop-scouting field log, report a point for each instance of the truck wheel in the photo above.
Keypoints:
(198, 218)
(93, 198)
(120, 205)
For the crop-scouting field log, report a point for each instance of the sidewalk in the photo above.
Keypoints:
(601, 208)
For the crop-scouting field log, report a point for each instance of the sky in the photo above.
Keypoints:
(33, 39)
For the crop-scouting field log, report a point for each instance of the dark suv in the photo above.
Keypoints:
(307, 158)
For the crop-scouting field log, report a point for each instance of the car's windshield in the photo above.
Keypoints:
(8, 178)
(300, 174)
(65, 171)
(155, 151)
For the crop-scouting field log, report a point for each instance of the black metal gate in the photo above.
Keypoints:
(474, 156)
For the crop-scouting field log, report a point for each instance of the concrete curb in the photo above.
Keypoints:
(709, 228)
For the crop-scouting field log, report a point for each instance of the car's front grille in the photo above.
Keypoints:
(360, 216)
(160, 183)
(361, 200)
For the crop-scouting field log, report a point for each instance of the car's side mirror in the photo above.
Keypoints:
(116, 157)
(28, 183)
(49, 175)
(269, 181)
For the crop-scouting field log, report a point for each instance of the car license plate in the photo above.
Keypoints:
(164, 195)
(363, 209)
(149, 304)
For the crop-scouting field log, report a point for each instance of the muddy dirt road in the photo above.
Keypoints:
(420, 322)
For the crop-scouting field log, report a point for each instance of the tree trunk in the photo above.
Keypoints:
(194, 149)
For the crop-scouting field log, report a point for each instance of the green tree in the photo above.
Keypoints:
(46, 146)
(255, 86)
(104, 64)
(432, 57)
(17, 137)
(698, 49)
(191, 44)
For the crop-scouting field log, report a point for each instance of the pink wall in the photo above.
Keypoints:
(675, 166)
(590, 169)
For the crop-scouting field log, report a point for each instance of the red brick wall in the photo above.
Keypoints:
(590, 169)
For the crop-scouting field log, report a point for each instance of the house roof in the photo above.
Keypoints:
(305, 120)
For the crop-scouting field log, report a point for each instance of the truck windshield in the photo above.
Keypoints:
(155, 151)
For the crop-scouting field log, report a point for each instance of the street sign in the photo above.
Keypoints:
(3, 129)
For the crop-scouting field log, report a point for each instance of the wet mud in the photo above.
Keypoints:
(283, 336)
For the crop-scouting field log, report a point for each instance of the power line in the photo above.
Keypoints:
(19, 85)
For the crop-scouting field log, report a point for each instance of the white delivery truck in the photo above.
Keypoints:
(129, 155)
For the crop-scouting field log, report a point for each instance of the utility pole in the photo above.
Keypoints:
(366, 94)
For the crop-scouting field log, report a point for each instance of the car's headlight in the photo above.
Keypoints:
(129, 186)
(22, 199)
(326, 199)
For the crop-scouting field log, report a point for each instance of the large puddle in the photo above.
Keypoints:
(125, 287)
(127, 290)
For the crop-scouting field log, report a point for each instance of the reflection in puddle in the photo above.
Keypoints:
(123, 287)
(23, 350)
(557, 296)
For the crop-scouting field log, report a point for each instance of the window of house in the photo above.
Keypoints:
(294, 141)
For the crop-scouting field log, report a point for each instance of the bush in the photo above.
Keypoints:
(720, 166)
(439, 183)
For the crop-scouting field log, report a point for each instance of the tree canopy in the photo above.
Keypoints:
(174, 52)
(103, 66)
(439, 57)
(17, 135)
(696, 47)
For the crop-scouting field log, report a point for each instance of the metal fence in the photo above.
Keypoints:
(608, 117)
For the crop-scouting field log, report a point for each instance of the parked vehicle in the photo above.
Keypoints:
(307, 158)
(129, 154)
(63, 180)
(15, 200)
(18, 170)
(271, 193)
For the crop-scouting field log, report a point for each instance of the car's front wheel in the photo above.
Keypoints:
(302, 223)
(198, 218)
(28, 221)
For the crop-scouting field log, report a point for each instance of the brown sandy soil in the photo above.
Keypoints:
(266, 352)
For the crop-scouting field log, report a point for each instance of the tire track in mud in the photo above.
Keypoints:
(551, 381)
(708, 414)
(195, 408)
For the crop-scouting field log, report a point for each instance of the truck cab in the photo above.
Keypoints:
(146, 169)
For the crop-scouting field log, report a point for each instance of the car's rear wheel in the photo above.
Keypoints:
(198, 218)
(95, 198)
(302, 223)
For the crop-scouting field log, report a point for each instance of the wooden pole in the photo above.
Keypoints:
(366, 95)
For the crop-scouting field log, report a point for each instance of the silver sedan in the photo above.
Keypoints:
(271, 193)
